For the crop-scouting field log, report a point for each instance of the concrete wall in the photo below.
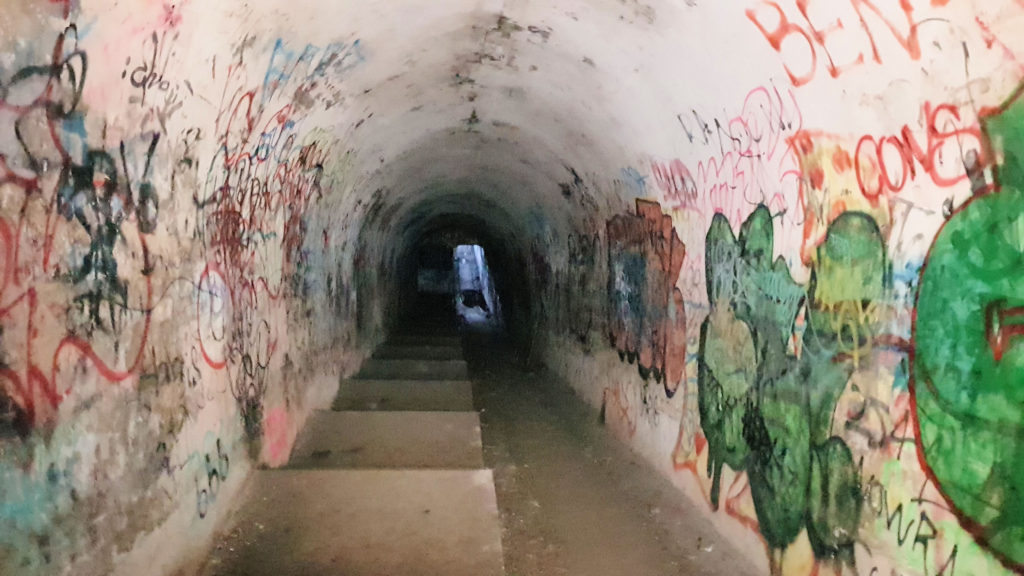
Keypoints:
(722, 211)
(158, 164)
(812, 309)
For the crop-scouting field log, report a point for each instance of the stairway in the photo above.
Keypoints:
(389, 481)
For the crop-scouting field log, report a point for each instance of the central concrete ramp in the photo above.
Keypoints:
(412, 352)
(389, 482)
(413, 369)
(425, 340)
(390, 440)
(402, 395)
(366, 523)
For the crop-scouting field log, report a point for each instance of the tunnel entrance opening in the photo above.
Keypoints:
(411, 282)
(455, 288)
(477, 305)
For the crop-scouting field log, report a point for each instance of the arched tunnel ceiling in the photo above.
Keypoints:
(505, 99)
(502, 181)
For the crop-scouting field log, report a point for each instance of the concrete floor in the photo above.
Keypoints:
(573, 500)
(380, 487)
(389, 482)
(364, 523)
(396, 440)
(405, 395)
(413, 369)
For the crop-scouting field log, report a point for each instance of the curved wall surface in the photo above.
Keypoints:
(780, 242)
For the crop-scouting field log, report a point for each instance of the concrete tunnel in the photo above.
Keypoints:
(773, 248)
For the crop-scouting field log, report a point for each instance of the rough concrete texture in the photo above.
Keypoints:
(383, 520)
(394, 352)
(412, 369)
(364, 523)
(423, 341)
(575, 500)
(389, 440)
(777, 242)
(400, 395)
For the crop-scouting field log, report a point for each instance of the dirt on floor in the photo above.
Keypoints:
(573, 500)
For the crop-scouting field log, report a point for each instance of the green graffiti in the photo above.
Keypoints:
(726, 375)
(766, 410)
(969, 364)
(776, 429)
(849, 274)
(849, 277)
(1005, 131)
(834, 504)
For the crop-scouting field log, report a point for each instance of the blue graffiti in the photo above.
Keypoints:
(635, 182)
(288, 64)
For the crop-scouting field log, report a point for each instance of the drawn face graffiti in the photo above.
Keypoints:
(969, 357)
(968, 366)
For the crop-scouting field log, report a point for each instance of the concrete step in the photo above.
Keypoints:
(389, 440)
(365, 523)
(425, 340)
(418, 352)
(404, 395)
(377, 369)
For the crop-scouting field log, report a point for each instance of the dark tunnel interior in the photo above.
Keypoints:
(432, 230)
(436, 241)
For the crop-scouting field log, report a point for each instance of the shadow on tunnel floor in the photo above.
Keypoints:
(441, 316)
(430, 315)
(573, 498)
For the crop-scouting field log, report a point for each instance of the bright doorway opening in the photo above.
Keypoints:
(476, 301)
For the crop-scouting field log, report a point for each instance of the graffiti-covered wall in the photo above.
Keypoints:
(778, 241)
(813, 305)
(156, 183)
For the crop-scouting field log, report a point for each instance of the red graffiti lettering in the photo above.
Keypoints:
(886, 164)
(813, 39)
(781, 32)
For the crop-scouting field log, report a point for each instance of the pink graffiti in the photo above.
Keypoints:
(277, 437)
(757, 164)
